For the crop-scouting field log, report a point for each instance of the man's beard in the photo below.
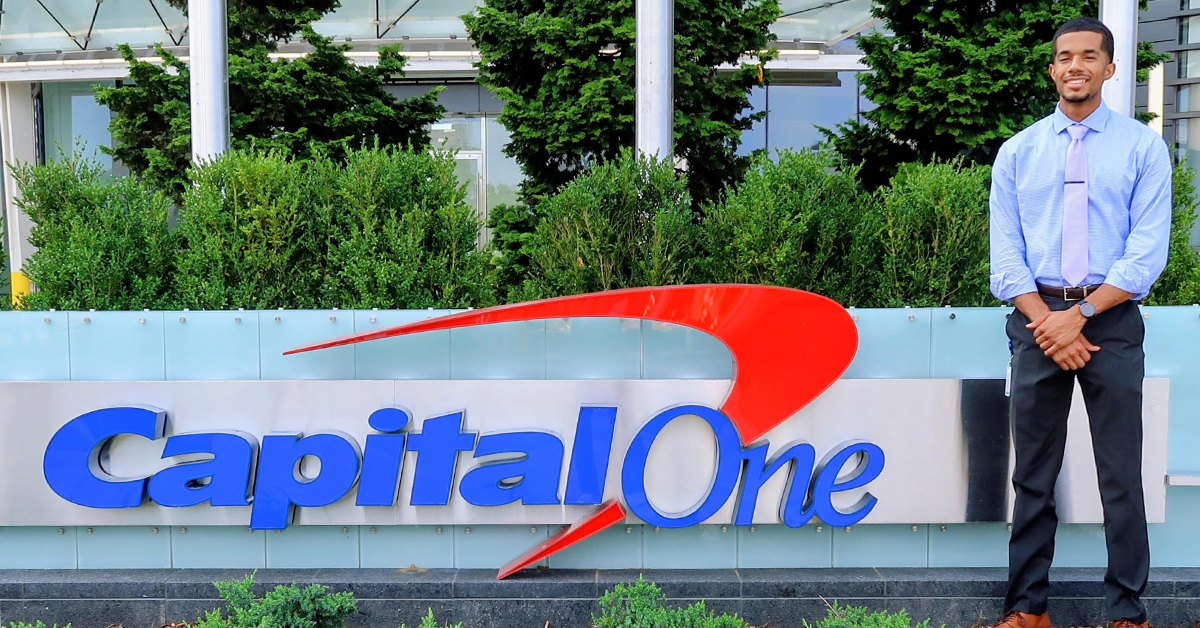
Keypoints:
(1078, 99)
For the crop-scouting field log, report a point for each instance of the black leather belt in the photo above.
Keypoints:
(1078, 293)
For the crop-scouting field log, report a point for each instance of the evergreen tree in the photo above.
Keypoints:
(321, 102)
(955, 78)
(566, 71)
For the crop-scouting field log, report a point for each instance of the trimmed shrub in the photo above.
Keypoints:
(401, 234)
(428, 621)
(252, 234)
(798, 223)
(101, 243)
(857, 617)
(932, 234)
(385, 228)
(287, 606)
(643, 605)
(513, 228)
(1180, 281)
(624, 223)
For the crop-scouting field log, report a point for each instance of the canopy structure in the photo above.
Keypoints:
(81, 29)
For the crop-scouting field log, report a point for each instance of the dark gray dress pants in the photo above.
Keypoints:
(1041, 399)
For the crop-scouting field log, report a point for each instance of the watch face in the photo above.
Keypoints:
(1087, 309)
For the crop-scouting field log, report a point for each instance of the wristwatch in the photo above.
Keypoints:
(1087, 309)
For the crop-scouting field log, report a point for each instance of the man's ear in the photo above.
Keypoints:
(1110, 71)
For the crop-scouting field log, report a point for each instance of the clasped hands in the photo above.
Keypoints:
(1059, 335)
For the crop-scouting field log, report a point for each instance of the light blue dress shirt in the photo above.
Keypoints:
(1129, 205)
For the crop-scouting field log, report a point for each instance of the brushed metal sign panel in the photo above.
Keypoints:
(946, 444)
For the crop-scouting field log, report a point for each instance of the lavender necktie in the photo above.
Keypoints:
(1075, 210)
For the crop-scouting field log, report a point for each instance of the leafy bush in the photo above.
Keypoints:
(857, 617)
(513, 228)
(385, 228)
(625, 223)
(288, 606)
(428, 621)
(932, 233)
(795, 223)
(1180, 281)
(643, 605)
(252, 234)
(102, 244)
(390, 228)
(401, 234)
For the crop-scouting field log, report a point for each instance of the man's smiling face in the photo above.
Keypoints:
(1080, 66)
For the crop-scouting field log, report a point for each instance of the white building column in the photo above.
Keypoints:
(655, 44)
(1121, 17)
(19, 146)
(209, 68)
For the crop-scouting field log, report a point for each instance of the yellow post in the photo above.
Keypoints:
(20, 287)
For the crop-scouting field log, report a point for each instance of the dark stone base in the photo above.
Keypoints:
(387, 598)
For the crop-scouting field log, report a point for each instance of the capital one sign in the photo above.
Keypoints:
(767, 447)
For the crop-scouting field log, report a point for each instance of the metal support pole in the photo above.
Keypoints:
(209, 68)
(1121, 17)
(656, 78)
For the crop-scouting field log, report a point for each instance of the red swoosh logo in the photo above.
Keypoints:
(788, 347)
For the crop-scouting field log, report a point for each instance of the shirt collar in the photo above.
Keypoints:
(1095, 122)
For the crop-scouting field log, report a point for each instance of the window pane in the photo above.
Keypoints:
(1189, 64)
(1187, 136)
(1183, 99)
(795, 111)
(74, 25)
(1189, 30)
(426, 18)
(354, 19)
(504, 175)
(756, 136)
(1185, 5)
(73, 117)
(820, 21)
(467, 171)
(457, 133)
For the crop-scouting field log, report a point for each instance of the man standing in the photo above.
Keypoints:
(1080, 222)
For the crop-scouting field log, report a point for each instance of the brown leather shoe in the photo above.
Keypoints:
(1127, 623)
(1017, 619)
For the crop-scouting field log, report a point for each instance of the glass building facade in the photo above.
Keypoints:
(36, 26)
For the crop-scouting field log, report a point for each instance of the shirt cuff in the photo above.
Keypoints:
(1129, 277)
(1009, 285)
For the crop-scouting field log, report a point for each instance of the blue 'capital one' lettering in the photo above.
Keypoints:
(512, 467)
(73, 464)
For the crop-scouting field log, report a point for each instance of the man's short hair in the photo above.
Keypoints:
(1089, 25)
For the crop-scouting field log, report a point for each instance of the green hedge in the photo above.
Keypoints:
(389, 228)
(802, 221)
(383, 228)
(102, 243)
(626, 223)
(252, 234)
